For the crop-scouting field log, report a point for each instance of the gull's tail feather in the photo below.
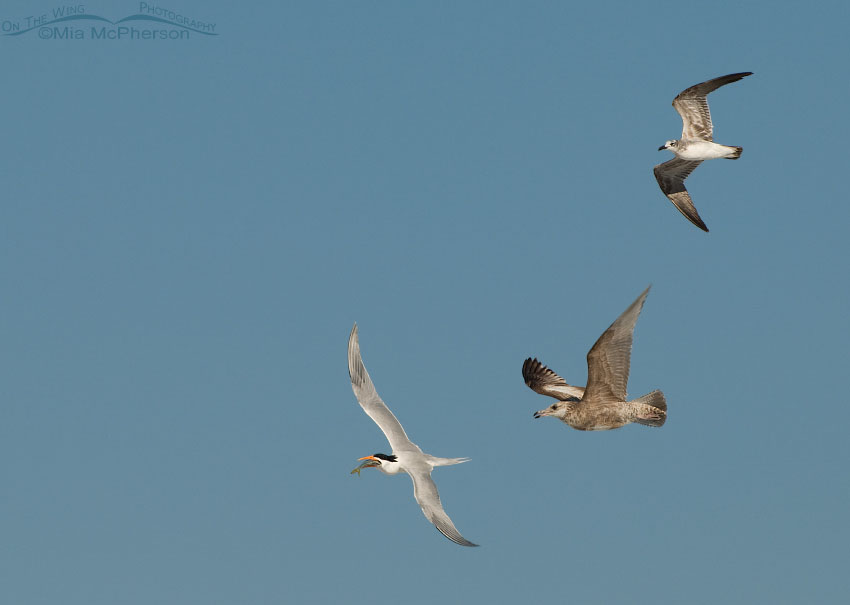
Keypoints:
(736, 154)
(651, 409)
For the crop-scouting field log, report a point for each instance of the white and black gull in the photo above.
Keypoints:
(695, 146)
(601, 405)
(406, 457)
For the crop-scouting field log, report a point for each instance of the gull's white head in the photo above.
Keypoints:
(671, 145)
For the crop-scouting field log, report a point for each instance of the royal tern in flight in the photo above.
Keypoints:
(406, 456)
(602, 404)
(695, 145)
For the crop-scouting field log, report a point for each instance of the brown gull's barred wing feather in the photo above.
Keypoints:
(692, 105)
(671, 177)
(609, 358)
(541, 379)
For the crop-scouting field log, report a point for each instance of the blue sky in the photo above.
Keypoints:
(189, 228)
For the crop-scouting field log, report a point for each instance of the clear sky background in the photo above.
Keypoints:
(189, 229)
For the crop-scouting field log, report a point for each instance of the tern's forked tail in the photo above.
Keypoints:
(446, 461)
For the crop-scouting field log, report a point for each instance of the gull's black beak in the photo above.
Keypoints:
(537, 414)
(662, 148)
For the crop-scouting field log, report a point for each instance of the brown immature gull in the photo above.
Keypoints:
(602, 404)
(695, 145)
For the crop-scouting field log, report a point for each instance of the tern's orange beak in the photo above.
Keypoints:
(369, 458)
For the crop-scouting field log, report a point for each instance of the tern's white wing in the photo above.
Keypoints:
(671, 177)
(608, 360)
(371, 402)
(541, 379)
(425, 492)
(693, 106)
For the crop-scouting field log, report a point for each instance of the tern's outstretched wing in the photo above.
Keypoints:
(671, 177)
(608, 360)
(541, 379)
(425, 492)
(693, 106)
(371, 402)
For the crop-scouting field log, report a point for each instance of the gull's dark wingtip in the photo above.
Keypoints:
(729, 78)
